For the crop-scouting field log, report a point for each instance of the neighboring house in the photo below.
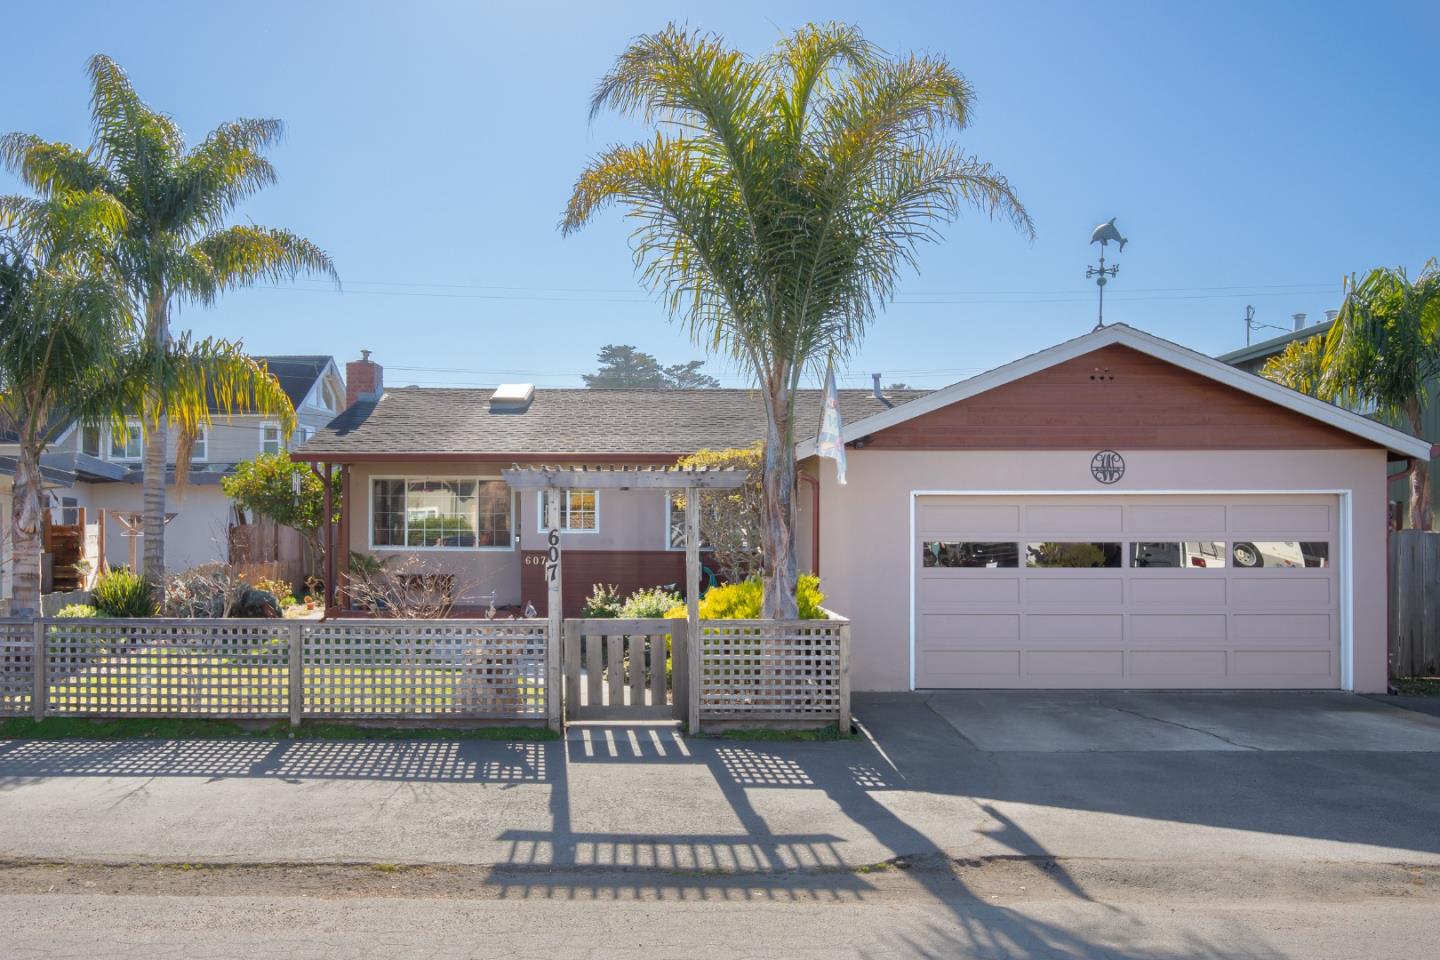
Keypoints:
(1114, 511)
(99, 468)
(1253, 358)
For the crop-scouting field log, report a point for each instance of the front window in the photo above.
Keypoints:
(440, 513)
(269, 438)
(579, 510)
(90, 441)
(127, 444)
(200, 450)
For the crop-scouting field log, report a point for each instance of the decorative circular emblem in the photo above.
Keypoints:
(1107, 466)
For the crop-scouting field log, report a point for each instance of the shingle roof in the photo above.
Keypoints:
(586, 422)
(296, 373)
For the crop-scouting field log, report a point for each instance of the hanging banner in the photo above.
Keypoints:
(829, 444)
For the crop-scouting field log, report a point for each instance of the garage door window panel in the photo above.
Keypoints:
(1178, 554)
(971, 554)
(1279, 554)
(1074, 554)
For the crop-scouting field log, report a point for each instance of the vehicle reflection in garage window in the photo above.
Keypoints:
(952, 553)
(1280, 554)
(1192, 554)
(1073, 554)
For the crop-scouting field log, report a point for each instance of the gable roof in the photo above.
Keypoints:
(429, 423)
(297, 373)
(1118, 333)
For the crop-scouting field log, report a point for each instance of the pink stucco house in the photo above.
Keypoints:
(1114, 511)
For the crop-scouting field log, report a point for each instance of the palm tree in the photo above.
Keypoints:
(778, 202)
(1382, 351)
(175, 246)
(65, 324)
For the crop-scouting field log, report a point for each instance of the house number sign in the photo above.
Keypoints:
(552, 556)
(1107, 466)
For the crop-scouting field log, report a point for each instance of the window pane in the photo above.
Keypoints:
(90, 441)
(493, 511)
(1072, 554)
(389, 520)
(581, 510)
(1194, 554)
(1280, 554)
(952, 553)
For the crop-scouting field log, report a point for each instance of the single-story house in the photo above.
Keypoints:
(93, 469)
(1114, 511)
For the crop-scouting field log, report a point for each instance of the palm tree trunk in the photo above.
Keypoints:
(25, 527)
(157, 329)
(1420, 513)
(777, 513)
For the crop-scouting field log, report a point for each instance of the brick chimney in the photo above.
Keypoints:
(364, 379)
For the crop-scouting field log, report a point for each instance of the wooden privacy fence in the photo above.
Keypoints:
(775, 671)
(751, 672)
(257, 669)
(1414, 603)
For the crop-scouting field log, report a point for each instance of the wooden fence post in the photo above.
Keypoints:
(694, 684)
(297, 672)
(844, 666)
(554, 609)
(39, 691)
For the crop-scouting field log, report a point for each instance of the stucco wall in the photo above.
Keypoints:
(197, 534)
(865, 528)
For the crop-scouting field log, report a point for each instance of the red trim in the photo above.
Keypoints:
(526, 457)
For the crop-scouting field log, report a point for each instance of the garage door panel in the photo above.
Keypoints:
(965, 665)
(1282, 663)
(1188, 589)
(1075, 519)
(1045, 626)
(940, 628)
(1204, 665)
(1073, 590)
(957, 591)
(1156, 626)
(977, 520)
(1281, 626)
(1177, 626)
(1089, 663)
(1182, 521)
(1299, 592)
(1286, 520)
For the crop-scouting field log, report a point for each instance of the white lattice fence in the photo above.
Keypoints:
(423, 669)
(163, 667)
(17, 669)
(775, 670)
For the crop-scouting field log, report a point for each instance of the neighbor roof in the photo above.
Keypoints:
(428, 423)
(296, 373)
(1269, 348)
(1127, 336)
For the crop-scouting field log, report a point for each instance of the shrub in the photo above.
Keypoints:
(210, 590)
(643, 604)
(257, 603)
(604, 602)
(121, 592)
(282, 591)
(77, 610)
(743, 600)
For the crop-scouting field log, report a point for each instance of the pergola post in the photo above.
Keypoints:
(554, 609)
(694, 682)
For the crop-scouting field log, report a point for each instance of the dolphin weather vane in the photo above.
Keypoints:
(1102, 235)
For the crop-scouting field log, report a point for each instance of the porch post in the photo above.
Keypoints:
(329, 544)
(554, 609)
(694, 682)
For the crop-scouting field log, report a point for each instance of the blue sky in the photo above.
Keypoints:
(1253, 153)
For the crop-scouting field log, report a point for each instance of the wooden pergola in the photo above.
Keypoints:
(686, 479)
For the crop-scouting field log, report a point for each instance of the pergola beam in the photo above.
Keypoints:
(623, 478)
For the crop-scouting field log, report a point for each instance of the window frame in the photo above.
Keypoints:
(130, 425)
(279, 437)
(99, 441)
(565, 511)
(407, 478)
(202, 444)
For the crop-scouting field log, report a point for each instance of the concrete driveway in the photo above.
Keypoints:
(961, 824)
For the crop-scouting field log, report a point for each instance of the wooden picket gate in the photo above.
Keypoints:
(618, 669)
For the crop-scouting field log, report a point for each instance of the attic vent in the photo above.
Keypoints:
(1101, 373)
(512, 398)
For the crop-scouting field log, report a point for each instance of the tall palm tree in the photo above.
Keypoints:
(778, 202)
(1382, 351)
(175, 246)
(65, 326)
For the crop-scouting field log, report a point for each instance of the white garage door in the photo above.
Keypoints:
(1127, 591)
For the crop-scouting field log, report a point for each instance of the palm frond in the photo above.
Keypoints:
(49, 168)
(241, 255)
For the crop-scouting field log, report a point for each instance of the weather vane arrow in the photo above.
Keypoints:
(1102, 235)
